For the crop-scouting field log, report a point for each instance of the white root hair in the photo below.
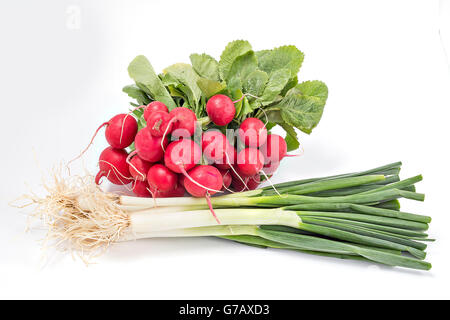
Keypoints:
(80, 217)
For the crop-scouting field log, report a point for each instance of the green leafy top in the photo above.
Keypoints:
(267, 79)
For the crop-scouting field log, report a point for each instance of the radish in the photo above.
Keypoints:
(181, 180)
(253, 132)
(250, 161)
(160, 178)
(184, 121)
(254, 181)
(275, 148)
(214, 145)
(270, 168)
(182, 155)
(121, 131)
(205, 175)
(226, 178)
(220, 109)
(159, 123)
(251, 183)
(153, 107)
(138, 167)
(203, 181)
(148, 147)
(228, 159)
(141, 189)
(113, 165)
(179, 191)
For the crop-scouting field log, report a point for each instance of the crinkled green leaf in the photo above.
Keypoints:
(141, 71)
(241, 68)
(314, 88)
(205, 66)
(255, 83)
(286, 57)
(277, 81)
(135, 92)
(185, 74)
(302, 112)
(261, 53)
(210, 87)
(233, 50)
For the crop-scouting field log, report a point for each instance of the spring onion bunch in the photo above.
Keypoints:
(350, 216)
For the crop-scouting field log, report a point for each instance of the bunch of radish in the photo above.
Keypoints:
(167, 160)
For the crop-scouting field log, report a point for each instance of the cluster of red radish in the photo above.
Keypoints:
(161, 169)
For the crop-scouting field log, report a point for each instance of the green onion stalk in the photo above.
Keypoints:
(350, 216)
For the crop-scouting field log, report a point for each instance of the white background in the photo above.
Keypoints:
(62, 67)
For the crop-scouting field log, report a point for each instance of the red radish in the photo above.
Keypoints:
(254, 182)
(204, 175)
(251, 183)
(238, 180)
(175, 193)
(159, 123)
(149, 147)
(182, 155)
(181, 180)
(121, 131)
(154, 106)
(184, 121)
(275, 148)
(250, 161)
(203, 181)
(113, 165)
(227, 178)
(253, 132)
(138, 167)
(220, 109)
(141, 189)
(214, 145)
(228, 159)
(270, 168)
(160, 178)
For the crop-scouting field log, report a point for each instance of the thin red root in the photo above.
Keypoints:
(90, 143)
(184, 172)
(270, 182)
(165, 133)
(208, 201)
(130, 156)
(292, 155)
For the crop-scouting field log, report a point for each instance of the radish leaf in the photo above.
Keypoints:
(300, 111)
(205, 66)
(232, 51)
(286, 57)
(141, 71)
